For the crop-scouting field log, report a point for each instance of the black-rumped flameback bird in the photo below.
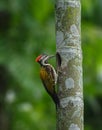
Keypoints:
(48, 76)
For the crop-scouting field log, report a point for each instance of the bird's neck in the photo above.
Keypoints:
(45, 64)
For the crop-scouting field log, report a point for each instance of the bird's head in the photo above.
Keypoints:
(43, 59)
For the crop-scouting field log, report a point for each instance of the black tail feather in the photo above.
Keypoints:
(56, 99)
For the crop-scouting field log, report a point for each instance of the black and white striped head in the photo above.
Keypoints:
(43, 59)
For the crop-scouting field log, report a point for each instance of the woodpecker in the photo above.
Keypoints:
(48, 76)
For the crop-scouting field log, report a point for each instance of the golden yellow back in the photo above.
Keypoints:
(47, 79)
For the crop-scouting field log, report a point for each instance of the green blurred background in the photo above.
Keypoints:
(27, 28)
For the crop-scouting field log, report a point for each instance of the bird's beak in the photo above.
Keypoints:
(49, 57)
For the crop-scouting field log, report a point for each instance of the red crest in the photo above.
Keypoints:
(38, 58)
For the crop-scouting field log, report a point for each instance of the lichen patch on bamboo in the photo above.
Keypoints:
(75, 101)
(74, 127)
(76, 114)
(60, 37)
(69, 83)
(74, 30)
